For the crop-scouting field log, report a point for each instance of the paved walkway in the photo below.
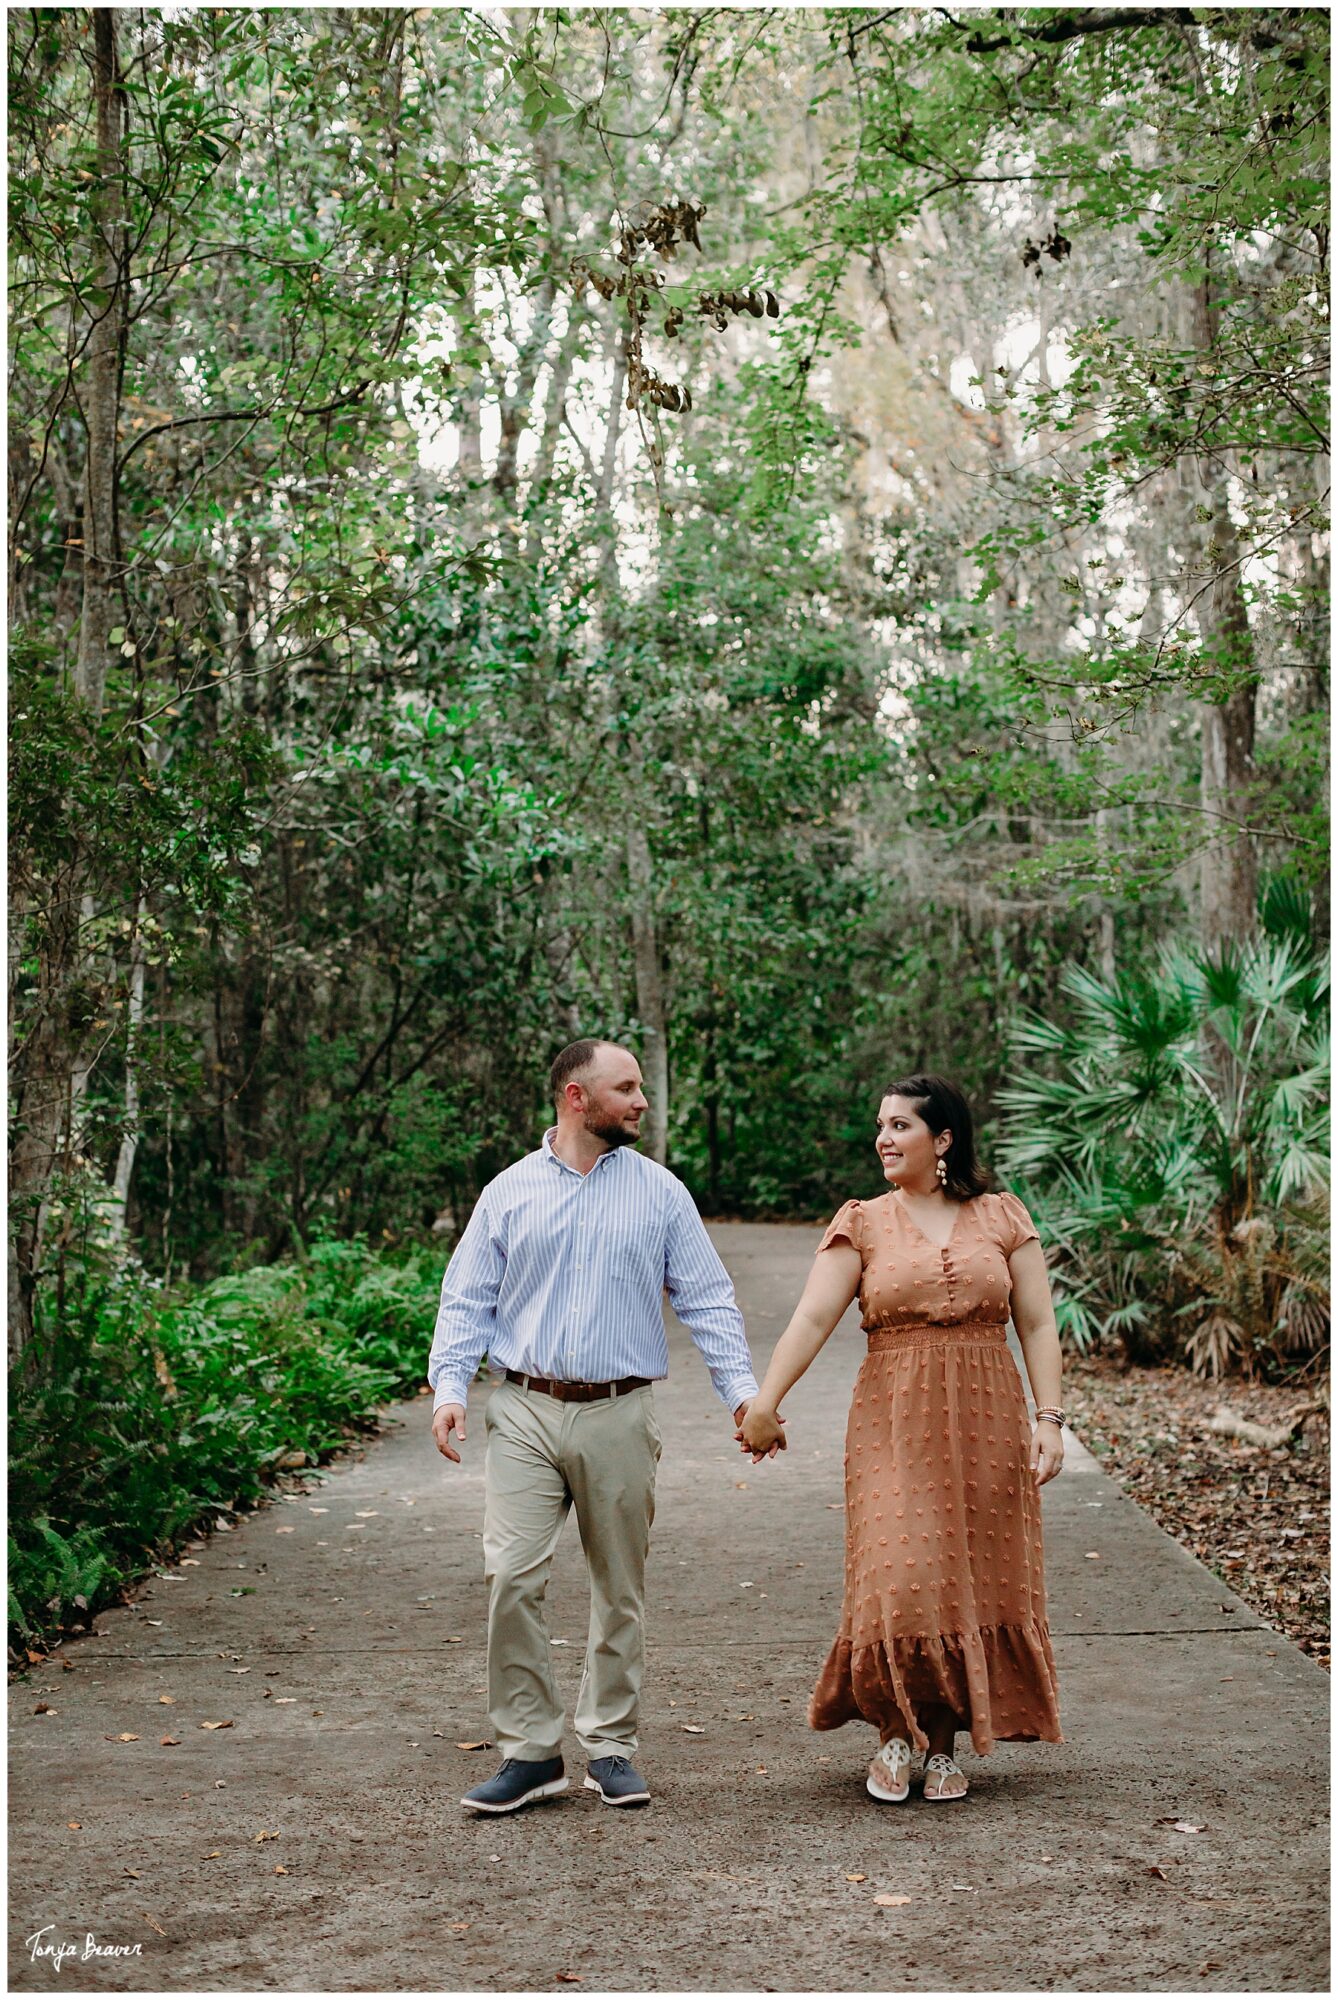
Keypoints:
(317, 1843)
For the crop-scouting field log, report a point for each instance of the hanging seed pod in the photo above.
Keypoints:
(773, 306)
(755, 306)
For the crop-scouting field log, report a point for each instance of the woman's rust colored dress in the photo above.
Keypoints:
(945, 1592)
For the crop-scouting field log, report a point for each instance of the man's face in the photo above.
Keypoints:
(611, 1098)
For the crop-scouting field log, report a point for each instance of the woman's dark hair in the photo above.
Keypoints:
(944, 1109)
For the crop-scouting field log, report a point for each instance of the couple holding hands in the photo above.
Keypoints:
(559, 1278)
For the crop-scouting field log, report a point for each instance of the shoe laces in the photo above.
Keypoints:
(619, 1764)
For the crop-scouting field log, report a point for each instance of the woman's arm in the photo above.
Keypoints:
(1034, 1317)
(832, 1284)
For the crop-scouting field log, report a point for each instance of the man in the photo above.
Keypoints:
(559, 1278)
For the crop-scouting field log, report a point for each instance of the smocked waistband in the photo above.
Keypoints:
(919, 1333)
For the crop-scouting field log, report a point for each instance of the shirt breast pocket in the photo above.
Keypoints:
(634, 1271)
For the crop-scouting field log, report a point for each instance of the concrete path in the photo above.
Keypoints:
(317, 1842)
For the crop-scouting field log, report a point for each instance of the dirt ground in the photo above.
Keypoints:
(249, 1779)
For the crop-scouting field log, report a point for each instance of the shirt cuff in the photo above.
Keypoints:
(449, 1391)
(741, 1390)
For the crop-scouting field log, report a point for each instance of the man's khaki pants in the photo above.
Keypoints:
(545, 1457)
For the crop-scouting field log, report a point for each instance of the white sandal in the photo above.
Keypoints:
(944, 1767)
(894, 1756)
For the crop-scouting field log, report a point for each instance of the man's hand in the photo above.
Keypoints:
(450, 1417)
(759, 1431)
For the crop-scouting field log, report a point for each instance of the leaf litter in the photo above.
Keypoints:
(1257, 1516)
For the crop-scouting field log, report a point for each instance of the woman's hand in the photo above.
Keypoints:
(1047, 1451)
(761, 1432)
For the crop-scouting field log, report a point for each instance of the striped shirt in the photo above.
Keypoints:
(561, 1274)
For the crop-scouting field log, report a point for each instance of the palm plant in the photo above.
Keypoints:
(1174, 1138)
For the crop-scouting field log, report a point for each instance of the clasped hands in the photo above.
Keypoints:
(760, 1431)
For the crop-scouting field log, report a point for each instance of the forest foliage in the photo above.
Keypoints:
(794, 538)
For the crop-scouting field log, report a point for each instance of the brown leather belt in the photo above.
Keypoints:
(579, 1392)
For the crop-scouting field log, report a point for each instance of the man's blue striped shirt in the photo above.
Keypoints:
(561, 1274)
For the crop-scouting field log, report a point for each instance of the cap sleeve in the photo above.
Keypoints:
(1018, 1226)
(846, 1226)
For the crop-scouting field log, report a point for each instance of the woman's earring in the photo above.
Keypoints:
(942, 1171)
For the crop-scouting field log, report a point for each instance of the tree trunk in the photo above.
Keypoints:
(102, 385)
(636, 846)
(134, 1017)
(53, 1062)
(649, 980)
(1229, 866)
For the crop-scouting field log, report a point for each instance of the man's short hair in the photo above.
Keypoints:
(568, 1063)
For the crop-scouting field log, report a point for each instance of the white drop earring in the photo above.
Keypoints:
(941, 1169)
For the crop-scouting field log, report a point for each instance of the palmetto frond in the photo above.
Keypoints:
(1160, 1116)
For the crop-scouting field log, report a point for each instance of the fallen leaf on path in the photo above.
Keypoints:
(170, 1742)
(1187, 1826)
(857, 1878)
(745, 1586)
(559, 1642)
(318, 1510)
(212, 1855)
(285, 1531)
(742, 1485)
(45, 1708)
(834, 1506)
(891, 1902)
(1160, 1873)
(133, 1873)
(153, 1923)
(169, 1700)
(284, 1700)
(368, 1513)
(262, 1835)
(969, 1886)
(455, 1642)
(216, 1725)
(693, 1729)
(280, 1869)
(75, 1825)
(459, 1927)
(189, 1562)
(485, 1744)
(124, 1737)
(36, 1659)
(761, 1770)
(1093, 1555)
(569, 1978)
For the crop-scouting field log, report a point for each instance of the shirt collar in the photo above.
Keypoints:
(547, 1149)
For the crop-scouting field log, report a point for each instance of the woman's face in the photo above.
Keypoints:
(906, 1144)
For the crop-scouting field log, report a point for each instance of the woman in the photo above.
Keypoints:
(944, 1623)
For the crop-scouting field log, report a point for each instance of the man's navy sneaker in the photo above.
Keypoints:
(617, 1783)
(517, 1783)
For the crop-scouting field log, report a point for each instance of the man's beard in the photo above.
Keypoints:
(612, 1135)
